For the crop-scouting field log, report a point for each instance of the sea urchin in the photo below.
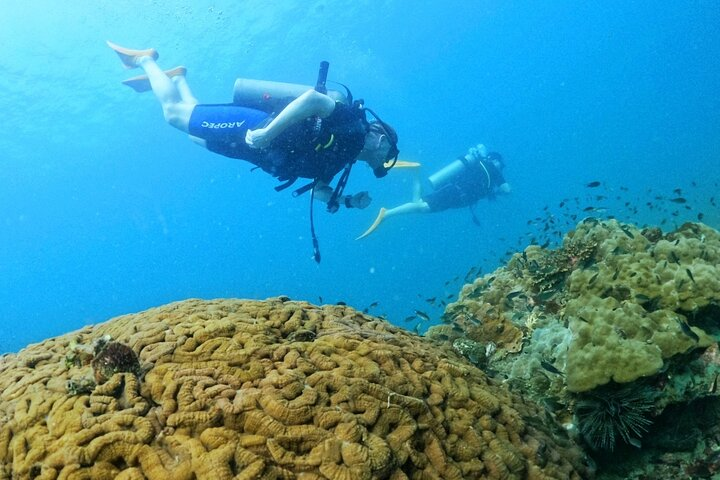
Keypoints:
(614, 412)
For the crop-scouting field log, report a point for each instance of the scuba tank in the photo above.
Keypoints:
(451, 171)
(272, 96)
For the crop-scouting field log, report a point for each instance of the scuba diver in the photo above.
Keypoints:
(290, 131)
(476, 175)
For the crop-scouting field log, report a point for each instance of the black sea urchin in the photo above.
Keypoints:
(610, 413)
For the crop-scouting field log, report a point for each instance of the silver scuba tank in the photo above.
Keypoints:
(452, 170)
(272, 96)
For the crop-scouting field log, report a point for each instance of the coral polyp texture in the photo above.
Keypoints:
(264, 389)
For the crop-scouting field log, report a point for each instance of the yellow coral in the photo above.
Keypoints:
(226, 389)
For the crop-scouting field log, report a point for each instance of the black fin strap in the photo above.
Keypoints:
(304, 188)
(285, 185)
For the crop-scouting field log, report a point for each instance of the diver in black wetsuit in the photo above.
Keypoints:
(476, 175)
(313, 137)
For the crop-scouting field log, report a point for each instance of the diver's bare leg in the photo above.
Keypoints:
(174, 95)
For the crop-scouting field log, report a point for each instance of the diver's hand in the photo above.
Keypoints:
(257, 138)
(359, 200)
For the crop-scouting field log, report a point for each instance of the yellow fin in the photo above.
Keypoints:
(403, 164)
(375, 225)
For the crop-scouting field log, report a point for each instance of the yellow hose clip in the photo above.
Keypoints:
(327, 145)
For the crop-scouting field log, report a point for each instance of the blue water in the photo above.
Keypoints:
(105, 210)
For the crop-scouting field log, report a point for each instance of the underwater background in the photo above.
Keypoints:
(106, 210)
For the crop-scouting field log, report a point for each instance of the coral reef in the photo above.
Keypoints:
(265, 389)
(612, 308)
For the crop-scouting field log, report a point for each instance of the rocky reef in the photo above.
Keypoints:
(266, 389)
(609, 331)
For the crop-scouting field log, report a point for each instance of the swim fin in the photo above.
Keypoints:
(402, 164)
(375, 225)
(129, 56)
(141, 83)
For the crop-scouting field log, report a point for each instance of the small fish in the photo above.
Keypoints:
(674, 257)
(688, 331)
(700, 216)
(545, 295)
(550, 367)
(593, 278)
(678, 200)
(320, 298)
(627, 231)
(422, 315)
(677, 191)
(615, 275)
(642, 298)
(514, 294)
(341, 303)
(373, 305)
(689, 274)
(407, 319)
(470, 275)
(431, 300)
(593, 184)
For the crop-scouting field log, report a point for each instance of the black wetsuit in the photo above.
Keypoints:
(469, 185)
(313, 148)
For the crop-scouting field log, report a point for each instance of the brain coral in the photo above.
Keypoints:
(273, 389)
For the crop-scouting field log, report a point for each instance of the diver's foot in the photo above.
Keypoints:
(129, 57)
(141, 83)
(375, 225)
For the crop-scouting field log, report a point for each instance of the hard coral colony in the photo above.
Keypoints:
(273, 389)
(618, 323)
